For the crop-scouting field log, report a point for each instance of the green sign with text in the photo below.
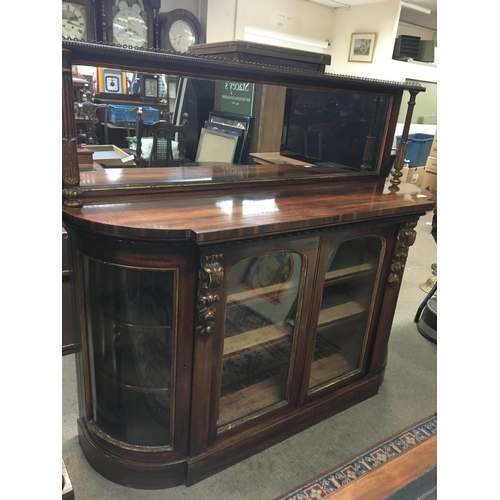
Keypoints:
(237, 97)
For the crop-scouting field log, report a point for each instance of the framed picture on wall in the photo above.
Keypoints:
(362, 47)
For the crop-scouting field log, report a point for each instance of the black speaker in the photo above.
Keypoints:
(406, 47)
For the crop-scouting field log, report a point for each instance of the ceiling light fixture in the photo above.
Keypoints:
(415, 7)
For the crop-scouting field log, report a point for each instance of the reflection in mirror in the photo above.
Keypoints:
(333, 128)
(342, 130)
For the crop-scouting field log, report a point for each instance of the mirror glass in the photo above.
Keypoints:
(338, 129)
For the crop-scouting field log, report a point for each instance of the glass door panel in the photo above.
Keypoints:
(259, 331)
(131, 323)
(347, 295)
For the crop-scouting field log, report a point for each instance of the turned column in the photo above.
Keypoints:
(71, 190)
(370, 140)
(401, 152)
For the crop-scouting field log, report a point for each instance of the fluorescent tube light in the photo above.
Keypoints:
(415, 7)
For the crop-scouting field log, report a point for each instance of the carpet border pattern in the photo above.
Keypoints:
(371, 459)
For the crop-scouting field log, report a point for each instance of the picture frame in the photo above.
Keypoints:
(216, 146)
(267, 275)
(362, 47)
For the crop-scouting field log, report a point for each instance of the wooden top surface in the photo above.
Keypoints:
(214, 215)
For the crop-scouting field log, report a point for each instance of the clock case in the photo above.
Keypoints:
(105, 12)
(165, 21)
(145, 79)
(90, 17)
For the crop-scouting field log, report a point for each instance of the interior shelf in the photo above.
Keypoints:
(249, 296)
(340, 275)
(329, 368)
(253, 338)
(132, 387)
(250, 400)
(338, 312)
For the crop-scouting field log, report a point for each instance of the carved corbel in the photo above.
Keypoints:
(406, 238)
(210, 278)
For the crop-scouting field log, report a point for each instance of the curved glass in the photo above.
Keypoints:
(130, 323)
(259, 331)
(342, 327)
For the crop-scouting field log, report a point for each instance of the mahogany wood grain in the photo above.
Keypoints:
(210, 218)
(143, 471)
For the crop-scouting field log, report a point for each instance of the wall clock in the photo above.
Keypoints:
(179, 29)
(78, 20)
(111, 81)
(131, 22)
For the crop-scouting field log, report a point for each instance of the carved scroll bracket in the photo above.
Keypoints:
(210, 278)
(406, 238)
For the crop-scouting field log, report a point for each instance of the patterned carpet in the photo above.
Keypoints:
(368, 461)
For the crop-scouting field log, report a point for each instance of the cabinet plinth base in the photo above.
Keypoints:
(129, 469)
(228, 452)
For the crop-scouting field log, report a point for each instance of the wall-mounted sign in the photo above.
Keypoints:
(237, 97)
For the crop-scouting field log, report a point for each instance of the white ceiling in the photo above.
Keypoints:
(427, 4)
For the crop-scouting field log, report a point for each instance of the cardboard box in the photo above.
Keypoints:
(429, 183)
(434, 147)
(413, 175)
(431, 164)
(109, 155)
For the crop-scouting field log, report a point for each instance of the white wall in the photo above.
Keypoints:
(226, 20)
(221, 20)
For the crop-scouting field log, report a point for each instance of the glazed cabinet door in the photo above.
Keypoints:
(347, 298)
(136, 342)
(258, 340)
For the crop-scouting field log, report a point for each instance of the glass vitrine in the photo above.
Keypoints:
(131, 323)
(348, 290)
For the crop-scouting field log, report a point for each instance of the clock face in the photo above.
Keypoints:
(181, 35)
(112, 83)
(129, 27)
(74, 21)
